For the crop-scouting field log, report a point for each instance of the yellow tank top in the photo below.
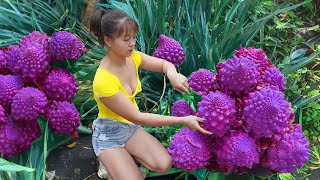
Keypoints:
(106, 84)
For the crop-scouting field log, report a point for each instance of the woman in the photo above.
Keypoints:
(118, 139)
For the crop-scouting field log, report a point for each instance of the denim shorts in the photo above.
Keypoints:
(108, 133)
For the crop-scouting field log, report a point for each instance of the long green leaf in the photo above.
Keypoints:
(303, 62)
(229, 17)
(12, 167)
(172, 171)
(35, 22)
(306, 101)
(45, 149)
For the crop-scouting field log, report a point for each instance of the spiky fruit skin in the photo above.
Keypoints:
(170, 50)
(60, 85)
(291, 152)
(9, 144)
(258, 56)
(64, 45)
(3, 116)
(237, 76)
(34, 61)
(3, 60)
(181, 108)
(35, 37)
(236, 150)
(273, 77)
(218, 111)
(9, 87)
(12, 56)
(202, 82)
(27, 105)
(63, 117)
(189, 151)
(28, 134)
(14, 139)
(266, 113)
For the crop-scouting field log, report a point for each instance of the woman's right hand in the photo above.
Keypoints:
(193, 123)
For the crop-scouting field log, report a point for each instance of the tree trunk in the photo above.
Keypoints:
(91, 7)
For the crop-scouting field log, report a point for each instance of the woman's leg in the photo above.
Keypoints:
(149, 151)
(119, 164)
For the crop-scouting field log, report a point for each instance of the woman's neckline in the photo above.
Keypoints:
(136, 89)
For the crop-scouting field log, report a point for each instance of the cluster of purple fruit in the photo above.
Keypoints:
(245, 109)
(31, 87)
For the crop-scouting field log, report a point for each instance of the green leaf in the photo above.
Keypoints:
(302, 62)
(45, 146)
(84, 130)
(285, 176)
(297, 54)
(12, 167)
(172, 171)
(316, 106)
(23, 17)
(314, 92)
(304, 102)
(200, 173)
(193, 99)
(216, 176)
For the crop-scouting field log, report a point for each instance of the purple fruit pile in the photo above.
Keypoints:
(251, 121)
(31, 87)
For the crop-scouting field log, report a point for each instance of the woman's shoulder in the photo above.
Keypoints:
(136, 57)
(103, 76)
(104, 84)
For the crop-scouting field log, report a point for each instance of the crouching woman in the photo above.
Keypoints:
(118, 138)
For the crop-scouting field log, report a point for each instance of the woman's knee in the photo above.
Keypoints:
(115, 159)
(163, 165)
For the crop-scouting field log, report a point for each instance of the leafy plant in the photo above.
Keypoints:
(20, 17)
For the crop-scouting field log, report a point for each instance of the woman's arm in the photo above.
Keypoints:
(177, 80)
(120, 105)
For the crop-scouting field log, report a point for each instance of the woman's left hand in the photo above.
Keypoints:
(179, 82)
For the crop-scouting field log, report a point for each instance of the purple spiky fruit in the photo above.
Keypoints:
(218, 111)
(3, 59)
(3, 116)
(234, 151)
(63, 117)
(189, 150)
(15, 139)
(237, 76)
(60, 85)
(266, 113)
(169, 49)
(9, 144)
(9, 87)
(12, 57)
(273, 77)
(181, 108)
(35, 37)
(202, 82)
(65, 45)
(27, 105)
(34, 61)
(258, 56)
(290, 153)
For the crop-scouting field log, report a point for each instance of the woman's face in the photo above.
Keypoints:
(124, 44)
